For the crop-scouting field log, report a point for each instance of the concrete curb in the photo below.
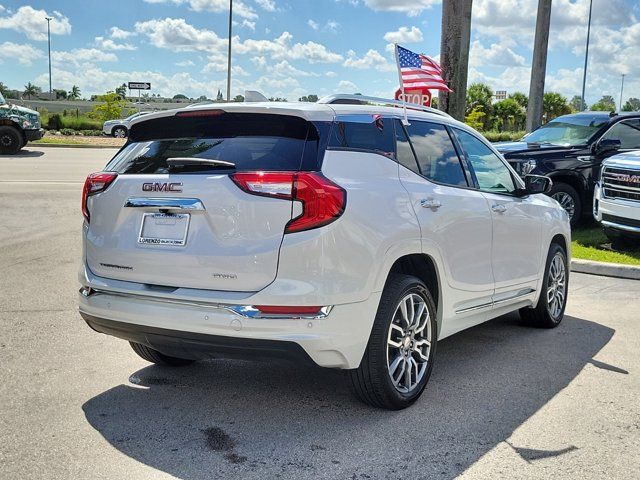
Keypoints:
(70, 145)
(605, 269)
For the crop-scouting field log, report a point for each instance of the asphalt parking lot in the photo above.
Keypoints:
(504, 401)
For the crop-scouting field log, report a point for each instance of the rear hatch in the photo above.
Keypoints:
(174, 215)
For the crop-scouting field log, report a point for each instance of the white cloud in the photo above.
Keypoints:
(268, 5)
(32, 23)
(313, 24)
(108, 44)
(81, 57)
(410, 7)
(25, 53)
(177, 35)
(119, 34)
(495, 55)
(281, 48)
(331, 74)
(404, 35)
(217, 6)
(332, 26)
(347, 86)
(185, 63)
(95, 80)
(372, 59)
(249, 24)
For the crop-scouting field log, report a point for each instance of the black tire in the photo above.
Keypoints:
(119, 132)
(154, 356)
(540, 316)
(11, 140)
(371, 381)
(558, 192)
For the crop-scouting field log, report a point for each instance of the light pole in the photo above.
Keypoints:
(586, 58)
(622, 90)
(48, 19)
(229, 53)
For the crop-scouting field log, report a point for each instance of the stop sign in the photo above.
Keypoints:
(417, 96)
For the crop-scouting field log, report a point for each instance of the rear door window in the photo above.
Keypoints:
(370, 133)
(437, 157)
(250, 141)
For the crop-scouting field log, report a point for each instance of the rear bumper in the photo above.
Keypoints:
(32, 135)
(208, 330)
(197, 346)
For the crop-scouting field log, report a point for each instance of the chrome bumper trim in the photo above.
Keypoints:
(619, 226)
(246, 311)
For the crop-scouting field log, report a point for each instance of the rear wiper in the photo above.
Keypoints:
(200, 162)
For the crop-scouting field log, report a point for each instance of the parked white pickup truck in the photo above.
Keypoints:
(616, 202)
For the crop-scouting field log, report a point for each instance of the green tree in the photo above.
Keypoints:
(309, 98)
(475, 119)
(509, 115)
(4, 90)
(60, 94)
(180, 96)
(30, 90)
(631, 105)
(238, 98)
(219, 96)
(521, 98)
(111, 108)
(122, 91)
(74, 93)
(605, 104)
(479, 96)
(277, 99)
(554, 105)
(576, 103)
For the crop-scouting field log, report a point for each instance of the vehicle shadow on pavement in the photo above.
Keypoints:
(224, 419)
(25, 154)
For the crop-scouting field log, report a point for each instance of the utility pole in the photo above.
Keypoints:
(621, 91)
(539, 66)
(48, 19)
(586, 58)
(454, 55)
(229, 53)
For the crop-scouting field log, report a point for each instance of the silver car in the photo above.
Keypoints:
(120, 128)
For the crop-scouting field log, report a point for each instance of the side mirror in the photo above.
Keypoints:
(537, 184)
(607, 145)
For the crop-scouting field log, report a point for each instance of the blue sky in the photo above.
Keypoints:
(291, 48)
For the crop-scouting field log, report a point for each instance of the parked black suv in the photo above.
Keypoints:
(570, 150)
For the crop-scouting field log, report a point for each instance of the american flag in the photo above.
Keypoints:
(419, 71)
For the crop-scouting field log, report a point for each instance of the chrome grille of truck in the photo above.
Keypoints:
(621, 183)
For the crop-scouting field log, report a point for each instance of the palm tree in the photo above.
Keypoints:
(30, 90)
(74, 93)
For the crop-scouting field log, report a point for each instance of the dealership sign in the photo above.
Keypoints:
(417, 96)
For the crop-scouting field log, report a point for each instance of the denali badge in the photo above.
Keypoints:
(162, 187)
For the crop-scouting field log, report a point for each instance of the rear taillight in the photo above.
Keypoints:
(95, 183)
(322, 200)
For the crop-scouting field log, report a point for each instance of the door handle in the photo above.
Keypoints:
(430, 203)
(499, 208)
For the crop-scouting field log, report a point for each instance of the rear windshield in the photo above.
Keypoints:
(250, 141)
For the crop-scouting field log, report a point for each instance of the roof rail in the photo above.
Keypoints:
(383, 102)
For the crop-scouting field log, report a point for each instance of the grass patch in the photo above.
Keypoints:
(592, 244)
(58, 141)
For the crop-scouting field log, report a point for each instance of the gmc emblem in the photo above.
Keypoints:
(162, 187)
(623, 177)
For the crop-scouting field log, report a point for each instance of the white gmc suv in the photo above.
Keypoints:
(331, 231)
(616, 200)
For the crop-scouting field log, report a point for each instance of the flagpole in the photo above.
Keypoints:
(404, 99)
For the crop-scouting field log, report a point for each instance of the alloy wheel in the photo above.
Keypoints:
(566, 201)
(409, 343)
(556, 286)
